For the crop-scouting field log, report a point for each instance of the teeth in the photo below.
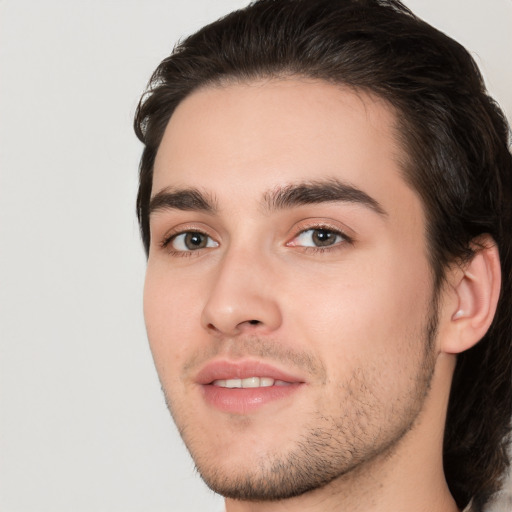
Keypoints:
(250, 382)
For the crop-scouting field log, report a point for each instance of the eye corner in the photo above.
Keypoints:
(186, 242)
(319, 237)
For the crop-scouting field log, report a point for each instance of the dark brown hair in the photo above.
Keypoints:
(459, 162)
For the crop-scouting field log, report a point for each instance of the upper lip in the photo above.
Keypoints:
(224, 369)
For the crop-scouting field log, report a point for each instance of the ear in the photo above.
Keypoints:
(474, 291)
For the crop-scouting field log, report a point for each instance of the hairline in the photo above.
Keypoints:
(400, 126)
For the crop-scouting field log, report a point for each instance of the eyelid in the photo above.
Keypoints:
(175, 241)
(180, 229)
(313, 224)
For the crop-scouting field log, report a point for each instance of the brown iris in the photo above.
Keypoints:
(323, 237)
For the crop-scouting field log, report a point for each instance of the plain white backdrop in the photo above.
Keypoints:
(83, 425)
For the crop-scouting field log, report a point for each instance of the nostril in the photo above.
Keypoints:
(254, 322)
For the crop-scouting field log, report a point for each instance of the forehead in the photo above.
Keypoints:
(243, 139)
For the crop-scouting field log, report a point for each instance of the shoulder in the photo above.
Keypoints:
(502, 502)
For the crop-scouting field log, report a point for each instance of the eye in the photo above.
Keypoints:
(191, 241)
(318, 237)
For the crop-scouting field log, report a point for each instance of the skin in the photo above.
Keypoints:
(352, 321)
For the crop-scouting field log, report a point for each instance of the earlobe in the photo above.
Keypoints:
(477, 290)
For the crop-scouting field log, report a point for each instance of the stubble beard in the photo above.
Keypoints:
(336, 447)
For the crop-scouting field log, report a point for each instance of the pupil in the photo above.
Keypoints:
(323, 237)
(195, 240)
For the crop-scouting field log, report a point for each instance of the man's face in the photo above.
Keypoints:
(287, 257)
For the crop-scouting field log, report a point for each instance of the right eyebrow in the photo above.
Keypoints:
(187, 199)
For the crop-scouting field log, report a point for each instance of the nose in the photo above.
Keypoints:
(242, 297)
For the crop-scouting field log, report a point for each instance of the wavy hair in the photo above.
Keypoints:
(458, 160)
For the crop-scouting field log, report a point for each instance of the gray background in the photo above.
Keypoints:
(83, 426)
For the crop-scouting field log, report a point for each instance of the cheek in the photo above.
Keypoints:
(367, 315)
(170, 313)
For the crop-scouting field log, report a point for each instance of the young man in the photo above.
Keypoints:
(326, 203)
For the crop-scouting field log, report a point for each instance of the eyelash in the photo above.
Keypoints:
(345, 239)
(167, 241)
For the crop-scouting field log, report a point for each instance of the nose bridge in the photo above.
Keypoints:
(242, 295)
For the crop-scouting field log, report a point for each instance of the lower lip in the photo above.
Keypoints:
(245, 400)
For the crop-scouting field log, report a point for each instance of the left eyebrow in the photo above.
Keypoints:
(324, 191)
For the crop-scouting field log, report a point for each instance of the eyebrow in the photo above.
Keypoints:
(189, 199)
(324, 191)
(280, 198)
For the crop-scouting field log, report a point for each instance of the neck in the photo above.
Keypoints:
(408, 476)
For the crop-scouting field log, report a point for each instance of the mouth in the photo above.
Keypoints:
(243, 387)
(250, 382)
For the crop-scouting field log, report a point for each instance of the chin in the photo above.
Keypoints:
(321, 457)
